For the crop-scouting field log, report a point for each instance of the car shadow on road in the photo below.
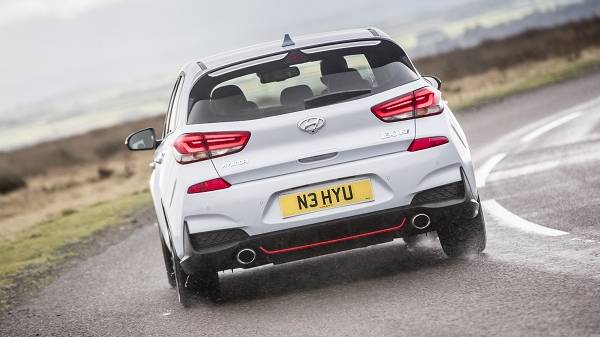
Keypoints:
(367, 264)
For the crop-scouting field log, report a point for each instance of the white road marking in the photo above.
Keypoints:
(484, 171)
(505, 217)
(524, 170)
(552, 125)
(585, 240)
(582, 158)
(512, 220)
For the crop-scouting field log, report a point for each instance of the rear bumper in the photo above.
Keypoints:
(326, 237)
(253, 206)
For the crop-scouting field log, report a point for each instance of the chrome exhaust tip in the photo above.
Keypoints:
(420, 221)
(245, 256)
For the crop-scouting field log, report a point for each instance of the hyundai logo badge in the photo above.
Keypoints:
(311, 124)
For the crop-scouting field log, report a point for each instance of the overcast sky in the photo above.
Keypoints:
(51, 47)
(57, 46)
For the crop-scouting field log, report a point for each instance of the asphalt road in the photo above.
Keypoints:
(538, 154)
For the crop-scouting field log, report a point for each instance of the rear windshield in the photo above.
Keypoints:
(298, 80)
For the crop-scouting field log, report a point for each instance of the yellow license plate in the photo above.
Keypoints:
(332, 196)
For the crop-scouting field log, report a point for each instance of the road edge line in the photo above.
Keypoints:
(514, 221)
(482, 173)
(550, 126)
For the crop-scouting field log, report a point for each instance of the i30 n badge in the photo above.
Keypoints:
(311, 124)
(235, 186)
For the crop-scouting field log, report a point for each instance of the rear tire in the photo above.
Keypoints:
(206, 284)
(168, 261)
(465, 237)
(191, 288)
(185, 294)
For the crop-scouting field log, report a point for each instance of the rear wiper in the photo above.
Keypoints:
(334, 97)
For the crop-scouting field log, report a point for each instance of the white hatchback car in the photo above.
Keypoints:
(284, 151)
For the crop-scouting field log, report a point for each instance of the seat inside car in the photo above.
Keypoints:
(338, 77)
(229, 101)
(294, 96)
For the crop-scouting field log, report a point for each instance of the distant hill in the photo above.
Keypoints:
(567, 40)
(435, 41)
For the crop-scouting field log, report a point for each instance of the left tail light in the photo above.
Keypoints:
(192, 147)
(419, 103)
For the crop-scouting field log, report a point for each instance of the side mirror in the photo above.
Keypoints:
(142, 140)
(434, 81)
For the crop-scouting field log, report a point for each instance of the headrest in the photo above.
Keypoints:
(227, 91)
(333, 65)
(227, 99)
(295, 95)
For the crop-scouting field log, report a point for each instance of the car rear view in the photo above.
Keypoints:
(316, 146)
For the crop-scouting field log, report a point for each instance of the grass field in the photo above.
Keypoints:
(495, 84)
(69, 189)
(27, 255)
(562, 42)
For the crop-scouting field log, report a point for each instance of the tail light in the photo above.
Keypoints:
(426, 143)
(209, 185)
(420, 103)
(192, 147)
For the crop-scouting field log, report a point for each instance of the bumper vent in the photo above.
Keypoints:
(441, 193)
(207, 239)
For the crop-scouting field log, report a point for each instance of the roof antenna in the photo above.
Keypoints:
(287, 41)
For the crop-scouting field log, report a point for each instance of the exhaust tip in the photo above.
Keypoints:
(420, 221)
(246, 256)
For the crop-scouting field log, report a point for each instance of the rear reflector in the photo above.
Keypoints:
(198, 146)
(420, 103)
(426, 143)
(209, 185)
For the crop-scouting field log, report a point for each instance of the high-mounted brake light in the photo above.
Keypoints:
(192, 147)
(426, 143)
(208, 186)
(419, 103)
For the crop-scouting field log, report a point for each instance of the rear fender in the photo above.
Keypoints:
(446, 125)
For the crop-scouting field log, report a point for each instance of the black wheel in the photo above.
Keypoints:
(185, 294)
(168, 261)
(194, 287)
(464, 237)
(206, 285)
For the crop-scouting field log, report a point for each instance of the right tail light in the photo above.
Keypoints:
(419, 103)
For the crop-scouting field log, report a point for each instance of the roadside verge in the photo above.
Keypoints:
(31, 258)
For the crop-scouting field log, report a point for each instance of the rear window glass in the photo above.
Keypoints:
(298, 80)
